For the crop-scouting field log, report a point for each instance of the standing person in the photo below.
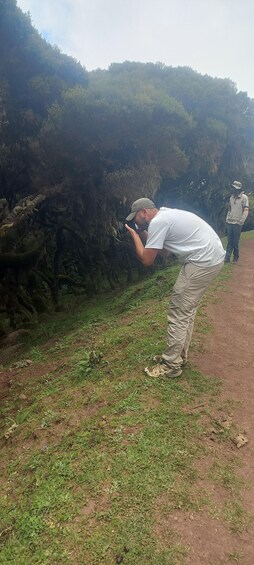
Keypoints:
(200, 250)
(238, 210)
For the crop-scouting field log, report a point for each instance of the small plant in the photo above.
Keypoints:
(235, 556)
(36, 355)
(49, 418)
(89, 361)
(19, 364)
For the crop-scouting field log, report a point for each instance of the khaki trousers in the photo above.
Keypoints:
(191, 284)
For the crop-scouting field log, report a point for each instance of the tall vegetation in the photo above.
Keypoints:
(76, 148)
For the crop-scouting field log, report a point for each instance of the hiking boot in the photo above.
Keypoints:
(157, 358)
(162, 370)
(235, 260)
(226, 260)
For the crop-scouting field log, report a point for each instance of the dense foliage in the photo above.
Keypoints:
(76, 148)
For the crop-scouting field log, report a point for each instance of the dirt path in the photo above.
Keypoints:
(230, 346)
(229, 355)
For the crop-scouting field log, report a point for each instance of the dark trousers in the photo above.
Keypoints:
(233, 233)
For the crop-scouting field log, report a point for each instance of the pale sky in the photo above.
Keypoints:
(214, 37)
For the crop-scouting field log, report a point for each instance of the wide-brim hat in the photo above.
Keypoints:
(140, 204)
(237, 184)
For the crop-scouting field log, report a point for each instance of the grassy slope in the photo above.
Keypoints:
(98, 444)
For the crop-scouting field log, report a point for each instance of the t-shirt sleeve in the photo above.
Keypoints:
(245, 201)
(157, 234)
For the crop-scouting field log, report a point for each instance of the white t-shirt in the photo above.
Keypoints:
(186, 235)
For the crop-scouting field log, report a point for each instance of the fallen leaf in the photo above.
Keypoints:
(10, 431)
(240, 440)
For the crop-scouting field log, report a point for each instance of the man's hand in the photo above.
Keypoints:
(141, 233)
(146, 256)
(130, 230)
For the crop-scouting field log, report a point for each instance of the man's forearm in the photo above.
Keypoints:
(139, 247)
(244, 216)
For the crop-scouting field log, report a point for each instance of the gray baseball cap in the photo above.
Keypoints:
(140, 204)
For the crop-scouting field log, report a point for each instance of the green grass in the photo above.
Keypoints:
(226, 475)
(236, 556)
(100, 450)
(237, 516)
